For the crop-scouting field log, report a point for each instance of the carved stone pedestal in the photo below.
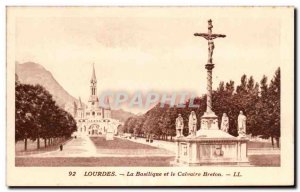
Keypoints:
(212, 147)
(209, 121)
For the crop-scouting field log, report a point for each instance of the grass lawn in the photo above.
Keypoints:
(93, 161)
(118, 143)
(127, 147)
(265, 160)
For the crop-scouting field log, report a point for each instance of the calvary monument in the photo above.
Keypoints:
(210, 145)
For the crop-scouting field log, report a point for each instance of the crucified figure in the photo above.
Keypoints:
(211, 47)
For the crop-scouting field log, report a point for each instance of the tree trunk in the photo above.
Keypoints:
(45, 142)
(272, 139)
(25, 144)
(38, 142)
(277, 142)
(49, 142)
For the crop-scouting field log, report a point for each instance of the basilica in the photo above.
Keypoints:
(93, 119)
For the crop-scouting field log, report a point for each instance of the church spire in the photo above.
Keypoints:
(93, 87)
(93, 79)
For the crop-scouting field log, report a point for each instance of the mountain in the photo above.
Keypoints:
(121, 115)
(33, 73)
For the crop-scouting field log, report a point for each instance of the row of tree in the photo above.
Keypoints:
(260, 102)
(37, 116)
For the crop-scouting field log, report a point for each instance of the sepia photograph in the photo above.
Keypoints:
(150, 96)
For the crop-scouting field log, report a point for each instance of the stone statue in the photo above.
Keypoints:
(192, 124)
(242, 124)
(179, 126)
(225, 123)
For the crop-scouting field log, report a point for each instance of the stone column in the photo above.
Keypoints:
(209, 120)
(209, 68)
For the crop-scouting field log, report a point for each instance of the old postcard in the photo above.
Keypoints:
(150, 96)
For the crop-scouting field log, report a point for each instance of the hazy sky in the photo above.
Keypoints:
(148, 48)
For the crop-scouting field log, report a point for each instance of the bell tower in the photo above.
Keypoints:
(93, 89)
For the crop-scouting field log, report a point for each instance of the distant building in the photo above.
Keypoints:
(93, 119)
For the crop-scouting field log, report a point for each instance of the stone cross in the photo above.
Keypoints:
(209, 66)
(210, 37)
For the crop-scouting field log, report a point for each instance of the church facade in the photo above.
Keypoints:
(93, 119)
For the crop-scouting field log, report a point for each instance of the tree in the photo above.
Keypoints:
(37, 115)
(25, 121)
(262, 110)
(138, 125)
(259, 102)
(274, 99)
(268, 109)
(126, 125)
